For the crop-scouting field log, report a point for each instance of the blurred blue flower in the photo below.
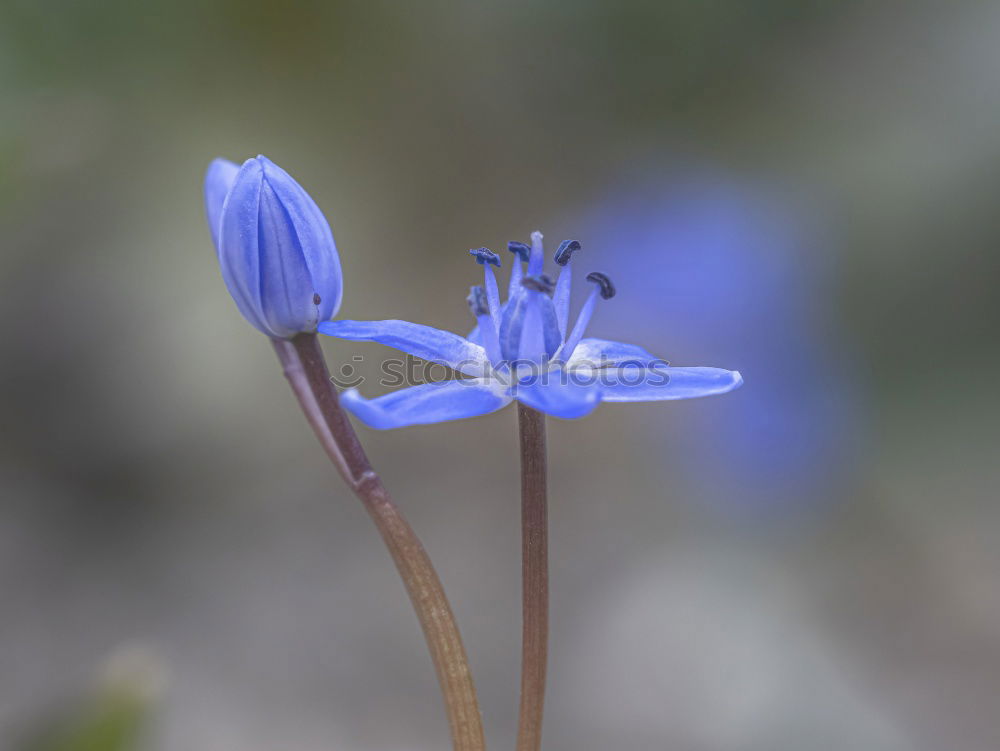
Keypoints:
(733, 267)
(523, 349)
(274, 245)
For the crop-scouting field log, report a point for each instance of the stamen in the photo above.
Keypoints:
(537, 259)
(485, 256)
(561, 298)
(492, 295)
(477, 301)
(519, 249)
(523, 252)
(607, 288)
(540, 283)
(479, 305)
(566, 251)
(563, 287)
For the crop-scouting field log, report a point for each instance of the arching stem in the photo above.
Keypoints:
(306, 371)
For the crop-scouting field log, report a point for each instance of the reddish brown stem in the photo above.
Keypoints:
(534, 577)
(309, 378)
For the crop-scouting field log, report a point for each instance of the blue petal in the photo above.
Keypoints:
(639, 384)
(551, 334)
(286, 285)
(427, 403)
(219, 178)
(557, 392)
(532, 347)
(597, 353)
(529, 329)
(512, 325)
(313, 234)
(421, 341)
(239, 256)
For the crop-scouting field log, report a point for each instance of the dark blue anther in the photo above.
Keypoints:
(607, 288)
(522, 250)
(540, 283)
(485, 256)
(566, 251)
(478, 303)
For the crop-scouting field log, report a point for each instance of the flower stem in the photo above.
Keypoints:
(534, 577)
(306, 371)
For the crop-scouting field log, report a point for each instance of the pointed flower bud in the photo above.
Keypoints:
(275, 248)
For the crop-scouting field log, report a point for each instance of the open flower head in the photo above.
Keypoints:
(524, 349)
(275, 247)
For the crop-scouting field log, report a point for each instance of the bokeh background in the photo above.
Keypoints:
(804, 191)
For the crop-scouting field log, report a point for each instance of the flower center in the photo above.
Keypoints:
(532, 328)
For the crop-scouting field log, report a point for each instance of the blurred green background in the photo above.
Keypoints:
(809, 562)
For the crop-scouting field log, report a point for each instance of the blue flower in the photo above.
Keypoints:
(523, 349)
(745, 264)
(275, 248)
